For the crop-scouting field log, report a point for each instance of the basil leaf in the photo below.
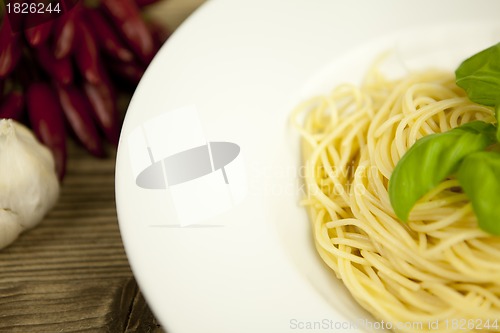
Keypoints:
(479, 76)
(433, 158)
(479, 176)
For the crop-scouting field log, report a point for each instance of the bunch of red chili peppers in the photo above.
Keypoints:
(61, 77)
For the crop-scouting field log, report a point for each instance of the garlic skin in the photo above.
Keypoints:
(29, 187)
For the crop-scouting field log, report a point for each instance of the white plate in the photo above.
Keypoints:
(243, 65)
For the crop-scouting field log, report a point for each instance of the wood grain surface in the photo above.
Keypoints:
(70, 274)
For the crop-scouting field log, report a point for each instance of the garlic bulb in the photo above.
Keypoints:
(29, 187)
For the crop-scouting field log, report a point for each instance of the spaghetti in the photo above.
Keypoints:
(439, 269)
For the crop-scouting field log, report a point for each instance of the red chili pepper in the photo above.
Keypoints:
(10, 49)
(87, 53)
(132, 72)
(39, 33)
(126, 16)
(64, 34)
(76, 108)
(47, 121)
(12, 106)
(106, 36)
(102, 97)
(105, 110)
(60, 69)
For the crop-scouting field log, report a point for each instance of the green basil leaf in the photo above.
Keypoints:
(479, 176)
(433, 158)
(479, 76)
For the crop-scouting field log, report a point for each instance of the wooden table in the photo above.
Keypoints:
(70, 274)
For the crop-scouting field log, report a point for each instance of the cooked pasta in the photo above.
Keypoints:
(439, 270)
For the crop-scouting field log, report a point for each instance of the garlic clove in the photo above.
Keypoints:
(29, 186)
(10, 228)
